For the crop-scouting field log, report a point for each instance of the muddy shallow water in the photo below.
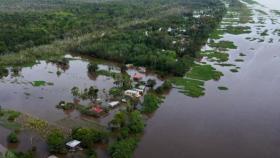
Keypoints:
(242, 122)
(19, 94)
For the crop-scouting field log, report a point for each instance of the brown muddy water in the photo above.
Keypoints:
(18, 93)
(243, 122)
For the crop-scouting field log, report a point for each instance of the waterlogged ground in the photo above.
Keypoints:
(18, 92)
(242, 121)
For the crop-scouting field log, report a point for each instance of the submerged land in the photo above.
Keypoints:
(97, 71)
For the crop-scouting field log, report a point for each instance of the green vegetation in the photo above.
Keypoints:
(204, 72)
(192, 84)
(92, 67)
(242, 54)
(264, 33)
(88, 136)
(225, 64)
(123, 148)
(237, 30)
(65, 106)
(216, 34)
(165, 87)
(222, 88)
(12, 138)
(3, 72)
(223, 45)
(215, 56)
(241, 10)
(87, 93)
(7, 119)
(239, 60)
(234, 70)
(261, 11)
(189, 87)
(56, 142)
(151, 103)
(38, 83)
(142, 33)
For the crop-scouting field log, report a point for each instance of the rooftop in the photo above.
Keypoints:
(73, 143)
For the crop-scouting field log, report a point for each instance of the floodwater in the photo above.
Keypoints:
(19, 94)
(243, 122)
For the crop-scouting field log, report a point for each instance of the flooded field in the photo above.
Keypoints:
(18, 93)
(241, 122)
(238, 117)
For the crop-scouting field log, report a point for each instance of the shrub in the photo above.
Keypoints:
(92, 67)
(136, 123)
(151, 103)
(123, 148)
(88, 136)
(12, 138)
(13, 115)
(55, 141)
(166, 86)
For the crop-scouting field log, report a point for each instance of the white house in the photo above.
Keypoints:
(132, 93)
(73, 145)
(114, 104)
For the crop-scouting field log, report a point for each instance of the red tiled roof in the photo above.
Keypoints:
(97, 109)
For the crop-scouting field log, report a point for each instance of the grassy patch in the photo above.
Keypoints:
(225, 64)
(234, 70)
(237, 30)
(7, 119)
(189, 87)
(204, 72)
(261, 11)
(217, 34)
(264, 33)
(239, 60)
(38, 83)
(223, 45)
(242, 54)
(223, 88)
(216, 56)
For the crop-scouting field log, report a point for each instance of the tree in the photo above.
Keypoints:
(55, 141)
(92, 92)
(150, 104)
(119, 120)
(136, 123)
(92, 67)
(88, 136)
(75, 91)
(12, 138)
(123, 148)
(115, 91)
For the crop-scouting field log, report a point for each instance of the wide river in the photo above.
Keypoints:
(243, 122)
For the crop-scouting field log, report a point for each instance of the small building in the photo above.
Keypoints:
(114, 104)
(97, 109)
(73, 145)
(140, 89)
(169, 29)
(124, 100)
(129, 65)
(137, 76)
(142, 69)
(132, 93)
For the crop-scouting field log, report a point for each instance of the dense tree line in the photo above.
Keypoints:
(164, 39)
